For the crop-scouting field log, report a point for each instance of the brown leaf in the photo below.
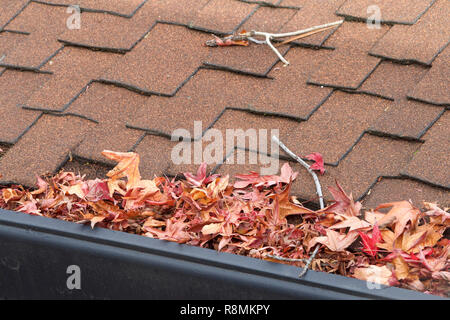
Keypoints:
(335, 241)
(96, 220)
(401, 267)
(401, 213)
(354, 223)
(345, 205)
(127, 166)
(374, 274)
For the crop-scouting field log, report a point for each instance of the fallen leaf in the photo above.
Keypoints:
(374, 274)
(401, 213)
(127, 166)
(344, 204)
(370, 243)
(401, 268)
(335, 241)
(96, 220)
(354, 223)
(318, 162)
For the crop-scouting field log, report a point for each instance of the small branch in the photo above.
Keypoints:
(285, 259)
(269, 36)
(318, 190)
(243, 37)
(304, 164)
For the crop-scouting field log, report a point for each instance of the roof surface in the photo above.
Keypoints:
(373, 101)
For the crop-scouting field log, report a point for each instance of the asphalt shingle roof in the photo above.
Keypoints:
(373, 101)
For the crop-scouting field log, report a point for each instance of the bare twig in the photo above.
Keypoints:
(304, 164)
(304, 35)
(285, 259)
(270, 36)
(318, 190)
(243, 37)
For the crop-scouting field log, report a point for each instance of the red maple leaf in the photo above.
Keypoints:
(318, 159)
(370, 243)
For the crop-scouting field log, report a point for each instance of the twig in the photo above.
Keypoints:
(285, 259)
(303, 163)
(318, 190)
(303, 36)
(243, 37)
(270, 36)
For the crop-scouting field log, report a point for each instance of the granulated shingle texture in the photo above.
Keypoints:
(112, 107)
(420, 42)
(9, 9)
(288, 93)
(119, 7)
(15, 88)
(434, 87)
(162, 61)
(405, 189)
(349, 65)
(406, 118)
(389, 11)
(430, 163)
(138, 73)
(68, 82)
(393, 80)
(43, 148)
(223, 16)
(336, 126)
(42, 42)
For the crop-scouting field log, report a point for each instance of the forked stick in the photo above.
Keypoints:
(318, 190)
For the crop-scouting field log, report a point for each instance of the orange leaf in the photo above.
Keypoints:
(127, 166)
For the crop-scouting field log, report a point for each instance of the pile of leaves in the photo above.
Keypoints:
(254, 216)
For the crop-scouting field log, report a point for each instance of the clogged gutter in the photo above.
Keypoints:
(404, 247)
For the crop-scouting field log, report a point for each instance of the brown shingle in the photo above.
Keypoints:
(391, 11)
(405, 189)
(434, 87)
(222, 16)
(349, 65)
(246, 126)
(154, 152)
(162, 61)
(371, 158)
(112, 107)
(393, 80)
(334, 128)
(41, 44)
(15, 88)
(420, 42)
(43, 148)
(8, 42)
(288, 94)
(406, 118)
(254, 59)
(73, 69)
(269, 19)
(172, 11)
(203, 98)
(9, 9)
(430, 163)
(117, 7)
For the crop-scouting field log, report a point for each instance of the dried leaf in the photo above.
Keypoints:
(344, 203)
(318, 162)
(374, 274)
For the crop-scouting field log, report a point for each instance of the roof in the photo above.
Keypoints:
(373, 101)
